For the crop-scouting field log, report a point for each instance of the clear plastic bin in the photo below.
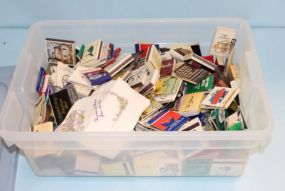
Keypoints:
(217, 153)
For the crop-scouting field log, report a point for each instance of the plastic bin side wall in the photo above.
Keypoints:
(189, 162)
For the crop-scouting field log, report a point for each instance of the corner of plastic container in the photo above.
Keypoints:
(38, 24)
(3, 136)
(243, 21)
(9, 144)
(35, 25)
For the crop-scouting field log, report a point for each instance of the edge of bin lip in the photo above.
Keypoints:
(250, 135)
(139, 20)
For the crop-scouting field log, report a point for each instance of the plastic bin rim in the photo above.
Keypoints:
(73, 136)
(146, 135)
(46, 23)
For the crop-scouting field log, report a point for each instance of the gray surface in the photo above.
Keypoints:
(8, 156)
(8, 168)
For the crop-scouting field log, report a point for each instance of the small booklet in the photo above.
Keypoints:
(143, 48)
(147, 163)
(235, 122)
(138, 78)
(167, 120)
(41, 80)
(87, 164)
(62, 101)
(121, 62)
(60, 50)
(168, 98)
(77, 76)
(192, 125)
(151, 80)
(204, 86)
(91, 54)
(167, 67)
(189, 74)
(165, 98)
(169, 85)
(153, 107)
(218, 119)
(232, 72)
(153, 56)
(189, 104)
(43, 127)
(97, 76)
(220, 98)
(181, 52)
(63, 72)
(222, 41)
(116, 168)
